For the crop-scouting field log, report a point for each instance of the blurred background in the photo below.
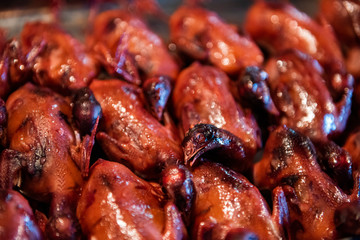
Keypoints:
(74, 13)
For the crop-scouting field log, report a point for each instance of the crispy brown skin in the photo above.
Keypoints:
(58, 60)
(201, 95)
(36, 127)
(343, 16)
(226, 201)
(302, 97)
(14, 70)
(16, 217)
(129, 133)
(119, 27)
(202, 34)
(41, 142)
(280, 26)
(290, 160)
(116, 204)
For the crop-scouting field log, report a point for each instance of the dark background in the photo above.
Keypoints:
(305, 5)
(74, 13)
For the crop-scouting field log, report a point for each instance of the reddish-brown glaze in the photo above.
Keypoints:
(201, 95)
(129, 133)
(202, 34)
(344, 16)
(280, 26)
(290, 160)
(302, 97)
(14, 70)
(226, 201)
(42, 147)
(58, 60)
(119, 35)
(116, 204)
(16, 217)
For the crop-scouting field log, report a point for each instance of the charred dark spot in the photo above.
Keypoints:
(290, 144)
(278, 161)
(302, 145)
(42, 92)
(24, 123)
(105, 181)
(111, 25)
(40, 157)
(229, 178)
(290, 180)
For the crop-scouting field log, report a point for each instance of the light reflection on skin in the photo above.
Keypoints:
(218, 41)
(301, 94)
(280, 27)
(148, 50)
(127, 230)
(227, 201)
(290, 160)
(203, 91)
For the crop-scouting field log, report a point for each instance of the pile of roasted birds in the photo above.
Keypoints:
(224, 132)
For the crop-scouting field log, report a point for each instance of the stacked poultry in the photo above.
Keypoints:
(229, 136)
